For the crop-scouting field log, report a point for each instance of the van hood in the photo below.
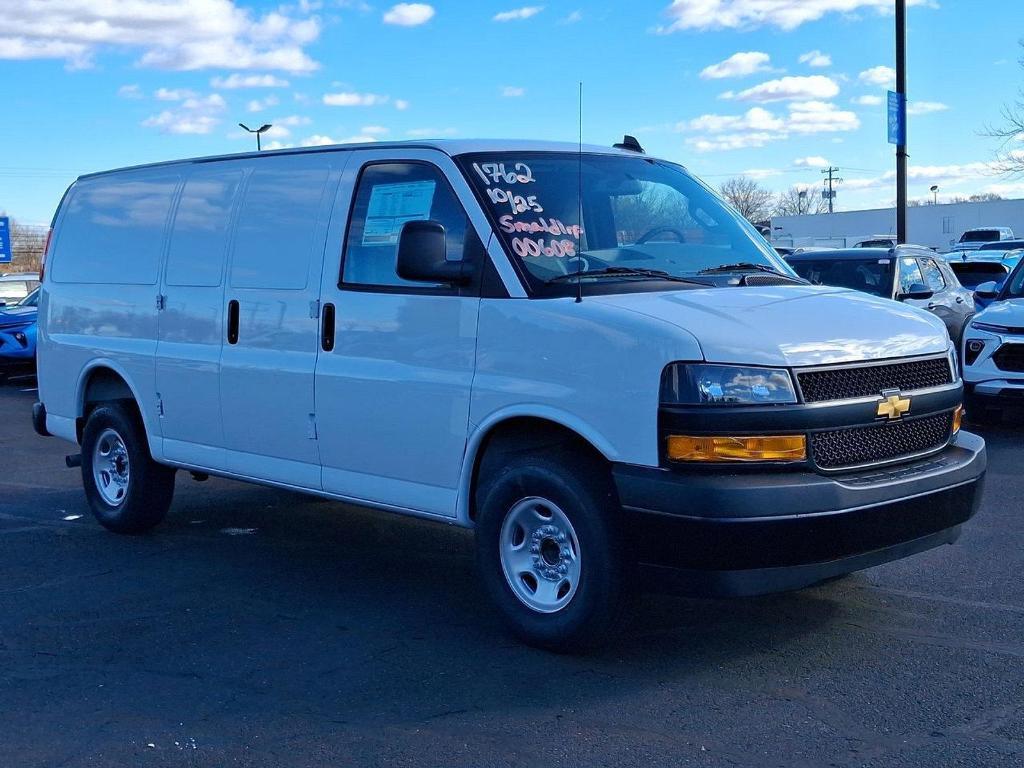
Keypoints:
(791, 325)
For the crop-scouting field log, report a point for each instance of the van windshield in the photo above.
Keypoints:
(641, 218)
(980, 236)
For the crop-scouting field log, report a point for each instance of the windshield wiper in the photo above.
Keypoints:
(743, 266)
(653, 274)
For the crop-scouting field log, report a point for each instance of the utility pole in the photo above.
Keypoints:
(830, 193)
(901, 149)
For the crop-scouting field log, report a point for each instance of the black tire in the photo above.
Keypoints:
(582, 489)
(149, 488)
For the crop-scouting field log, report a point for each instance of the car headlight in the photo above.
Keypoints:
(710, 384)
(989, 327)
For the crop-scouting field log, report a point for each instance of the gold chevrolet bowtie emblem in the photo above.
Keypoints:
(893, 405)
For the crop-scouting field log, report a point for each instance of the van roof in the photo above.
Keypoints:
(450, 147)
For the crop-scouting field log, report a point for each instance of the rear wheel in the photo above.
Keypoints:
(127, 491)
(550, 548)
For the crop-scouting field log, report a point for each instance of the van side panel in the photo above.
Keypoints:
(593, 368)
(101, 288)
(266, 374)
(191, 326)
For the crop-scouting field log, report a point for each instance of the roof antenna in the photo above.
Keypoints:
(579, 198)
(630, 144)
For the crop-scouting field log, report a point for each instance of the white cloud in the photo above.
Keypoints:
(409, 14)
(194, 115)
(517, 14)
(759, 127)
(820, 117)
(401, 105)
(513, 91)
(353, 99)
(292, 120)
(373, 130)
(925, 107)
(169, 34)
(258, 105)
(130, 92)
(738, 65)
(236, 80)
(816, 58)
(573, 17)
(814, 161)
(748, 14)
(789, 88)
(880, 76)
(869, 101)
(759, 174)
(319, 140)
(422, 133)
(173, 94)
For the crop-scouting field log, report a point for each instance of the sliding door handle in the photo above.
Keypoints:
(233, 321)
(327, 330)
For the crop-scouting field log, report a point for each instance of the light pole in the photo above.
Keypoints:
(901, 148)
(257, 131)
(935, 194)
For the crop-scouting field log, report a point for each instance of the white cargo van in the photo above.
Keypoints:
(585, 355)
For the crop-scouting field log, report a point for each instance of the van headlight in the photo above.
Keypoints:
(711, 384)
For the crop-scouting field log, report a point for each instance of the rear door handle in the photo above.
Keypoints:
(327, 330)
(233, 321)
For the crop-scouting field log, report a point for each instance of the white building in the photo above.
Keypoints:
(935, 226)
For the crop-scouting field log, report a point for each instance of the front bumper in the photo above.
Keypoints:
(748, 533)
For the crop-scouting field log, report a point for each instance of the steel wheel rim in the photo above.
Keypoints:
(540, 554)
(111, 472)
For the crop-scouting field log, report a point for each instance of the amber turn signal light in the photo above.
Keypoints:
(958, 418)
(720, 448)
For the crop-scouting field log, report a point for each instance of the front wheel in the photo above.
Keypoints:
(127, 491)
(550, 549)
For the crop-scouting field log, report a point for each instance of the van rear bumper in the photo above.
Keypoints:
(749, 533)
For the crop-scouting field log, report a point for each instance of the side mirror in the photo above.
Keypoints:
(917, 292)
(987, 290)
(422, 255)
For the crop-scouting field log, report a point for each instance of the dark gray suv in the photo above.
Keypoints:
(907, 273)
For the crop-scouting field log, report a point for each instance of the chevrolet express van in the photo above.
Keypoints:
(584, 355)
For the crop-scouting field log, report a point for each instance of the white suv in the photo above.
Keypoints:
(993, 349)
(585, 355)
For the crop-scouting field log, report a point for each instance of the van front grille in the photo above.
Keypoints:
(891, 441)
(848, 382)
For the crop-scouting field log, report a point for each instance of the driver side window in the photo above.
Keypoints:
(387, 196)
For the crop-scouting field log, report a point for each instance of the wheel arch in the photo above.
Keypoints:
(526, 427)
(103, 380)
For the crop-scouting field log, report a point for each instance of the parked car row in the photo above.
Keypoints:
(908, 273)
(18, 335)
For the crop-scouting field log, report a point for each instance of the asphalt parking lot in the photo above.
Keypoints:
(262, 628)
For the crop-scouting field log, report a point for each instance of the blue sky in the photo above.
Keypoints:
(772, 88)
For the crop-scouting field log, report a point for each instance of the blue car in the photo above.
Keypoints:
(18, 336)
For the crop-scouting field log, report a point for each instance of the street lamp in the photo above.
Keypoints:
(257, 131)
(935, 194)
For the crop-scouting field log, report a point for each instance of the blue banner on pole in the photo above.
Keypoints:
(5, 240)
(897, 118)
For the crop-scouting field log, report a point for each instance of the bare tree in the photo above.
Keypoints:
(797, 201)
(748, 197)
(1010, 154)
(981, 197)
